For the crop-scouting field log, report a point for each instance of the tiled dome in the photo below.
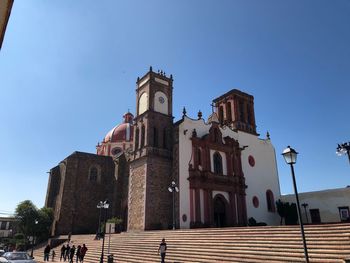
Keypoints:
(121, 132)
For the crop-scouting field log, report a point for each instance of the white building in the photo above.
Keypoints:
(326, 206)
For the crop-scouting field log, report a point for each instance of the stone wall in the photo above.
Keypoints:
(158, 199)
(137, 185)
(75, 208)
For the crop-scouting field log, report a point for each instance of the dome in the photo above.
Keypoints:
(122, 132)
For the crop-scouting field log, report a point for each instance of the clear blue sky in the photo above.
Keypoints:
(68, 72)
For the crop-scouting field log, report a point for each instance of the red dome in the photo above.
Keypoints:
(121, 132)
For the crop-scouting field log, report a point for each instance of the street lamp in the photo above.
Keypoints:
(102, 205)
(290, 156)
(344, 148)
(173, 189)
(305, 205)
(35, 222)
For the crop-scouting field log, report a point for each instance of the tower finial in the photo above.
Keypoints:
(199, 115)
(184, 112)
(268, 135)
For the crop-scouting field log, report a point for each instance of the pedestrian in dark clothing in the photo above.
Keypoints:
(71, 252)
(63, 251)
(83, 252)
(47, 252)
(78, 253)
(162, 249)
(66, 256)
(53, 255)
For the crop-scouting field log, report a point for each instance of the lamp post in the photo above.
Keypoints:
(99, 206)
(344, 148)
(290, 156)
(173, 189)
(35, 224)
(102, 205)
(305, 205)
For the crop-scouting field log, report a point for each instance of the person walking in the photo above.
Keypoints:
(71, 252)
(162, 249)
(83, 252)
(63, 251)
(47, 252)
(66, 256)
(78, 253)
(53, 255)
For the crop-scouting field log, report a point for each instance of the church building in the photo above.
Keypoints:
(224, 172)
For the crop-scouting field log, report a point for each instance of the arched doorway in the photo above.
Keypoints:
(219, 212)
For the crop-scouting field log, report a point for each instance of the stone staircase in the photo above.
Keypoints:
(326, 243)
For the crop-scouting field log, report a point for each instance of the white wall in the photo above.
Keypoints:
(260, 178)
(327, 201)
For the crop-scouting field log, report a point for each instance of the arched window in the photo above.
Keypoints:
(155, 137)
(199, 156)
(221, 115)
(270, 200)
(142, 136)
(93, 174)
(217, 163)
(228, 112)
(137, 133)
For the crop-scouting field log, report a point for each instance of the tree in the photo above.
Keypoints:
(27, 215)
(33, 222)
(288, 212)
(291, 214)
(45, 218)
(281, 210)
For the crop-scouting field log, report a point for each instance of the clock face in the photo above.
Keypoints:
(161, 100)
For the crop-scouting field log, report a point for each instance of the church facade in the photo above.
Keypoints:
(225, 173)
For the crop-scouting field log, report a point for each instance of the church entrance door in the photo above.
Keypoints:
(219, 212)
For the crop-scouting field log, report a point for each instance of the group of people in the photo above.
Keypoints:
(68, 252)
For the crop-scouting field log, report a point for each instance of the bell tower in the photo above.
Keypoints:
(236, 109)
(149, 204)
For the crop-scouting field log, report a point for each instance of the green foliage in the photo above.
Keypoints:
(32, 221)
(26, 215)
(288, 212)
(19, 236)
(281, 209)
(291, 214)
(45, 218)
